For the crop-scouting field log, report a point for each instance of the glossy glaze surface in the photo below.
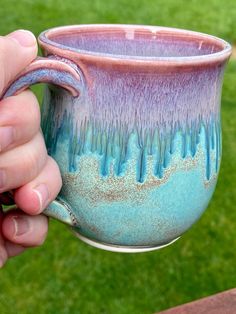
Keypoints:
(140, 148)
(137, 134)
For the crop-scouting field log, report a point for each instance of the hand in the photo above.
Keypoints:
(25, 167)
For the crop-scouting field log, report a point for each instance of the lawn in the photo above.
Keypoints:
(67, 276)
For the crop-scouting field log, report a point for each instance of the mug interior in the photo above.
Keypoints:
(135, 41)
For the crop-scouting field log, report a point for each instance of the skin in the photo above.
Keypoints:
(25, 168)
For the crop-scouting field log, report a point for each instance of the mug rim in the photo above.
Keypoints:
(216, 57)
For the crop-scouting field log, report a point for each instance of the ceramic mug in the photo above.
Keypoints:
(133, 121)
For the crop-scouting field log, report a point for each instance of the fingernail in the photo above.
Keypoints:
(3, 179)
(23, 37)
(21, 224)
(43, 195)
(6, 136)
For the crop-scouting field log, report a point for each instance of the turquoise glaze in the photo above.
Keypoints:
(138, 142)
(119, 209)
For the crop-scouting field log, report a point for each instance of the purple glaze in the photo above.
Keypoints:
(43, 76)
(154, 106)
(135, 42)
(179, 101)
(154, 103)
(126, 45)
(54, 69)
(135, 85)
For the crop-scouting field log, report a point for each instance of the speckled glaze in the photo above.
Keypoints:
(138, 135)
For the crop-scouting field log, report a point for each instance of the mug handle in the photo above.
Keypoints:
(58, 71)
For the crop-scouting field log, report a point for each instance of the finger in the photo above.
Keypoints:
(25, 230)
(22, 164)
(13, 249)
(3, 255)
(3, 252)
(17, 50)
(19, 120)
(37, 194)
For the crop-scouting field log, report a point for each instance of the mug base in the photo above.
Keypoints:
(121, 249)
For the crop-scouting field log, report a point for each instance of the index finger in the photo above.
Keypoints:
(17, 50)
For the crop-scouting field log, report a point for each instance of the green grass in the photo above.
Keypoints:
(67, 276)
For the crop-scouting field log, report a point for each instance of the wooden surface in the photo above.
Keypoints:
(221, 303)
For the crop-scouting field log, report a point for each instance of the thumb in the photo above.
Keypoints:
(17, 50)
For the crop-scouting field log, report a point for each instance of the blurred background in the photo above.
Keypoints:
(66, 275)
